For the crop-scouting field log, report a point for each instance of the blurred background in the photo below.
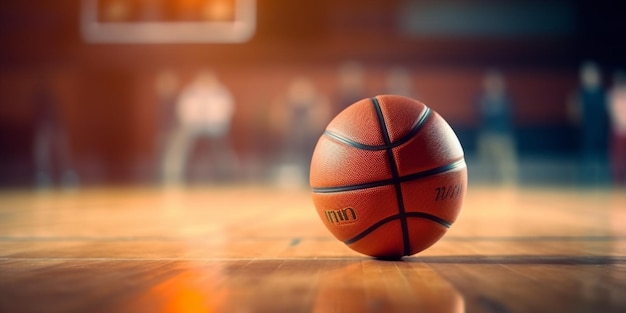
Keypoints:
(106, 92)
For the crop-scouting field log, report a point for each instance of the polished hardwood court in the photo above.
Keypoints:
(264, 249)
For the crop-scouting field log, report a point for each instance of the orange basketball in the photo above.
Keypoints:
(388, 176)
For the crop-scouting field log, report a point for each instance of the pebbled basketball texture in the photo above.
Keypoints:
(388, 176)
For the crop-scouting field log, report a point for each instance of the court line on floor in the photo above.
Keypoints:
(206, 237)
(295, 240)
(523, 259)
(224, 259)
(535, 238)
(449, 259)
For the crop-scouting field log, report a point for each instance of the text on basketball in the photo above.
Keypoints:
(341, 216)
(448, 192)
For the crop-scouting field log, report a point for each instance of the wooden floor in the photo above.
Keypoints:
(261, 249)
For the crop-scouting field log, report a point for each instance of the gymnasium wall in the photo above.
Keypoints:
(107, 99)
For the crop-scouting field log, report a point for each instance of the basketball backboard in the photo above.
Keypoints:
(168, 21)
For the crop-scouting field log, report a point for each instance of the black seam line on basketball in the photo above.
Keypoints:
(402, 179)
(414, 130)
(396, 178)
(386, 220)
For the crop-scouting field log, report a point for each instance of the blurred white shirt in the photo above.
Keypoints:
(206, 108)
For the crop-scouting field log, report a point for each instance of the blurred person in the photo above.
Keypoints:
(204, 109)
(496, 141)
(617, 111)
(351, 84)
(588, 108)
(399, 82)
(303, 113)
(166, 85)
(51, 147)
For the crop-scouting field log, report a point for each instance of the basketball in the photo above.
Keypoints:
(388, 176)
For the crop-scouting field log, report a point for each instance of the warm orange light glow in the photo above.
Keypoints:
(168, 21)
(190, 291)
(218, 10)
